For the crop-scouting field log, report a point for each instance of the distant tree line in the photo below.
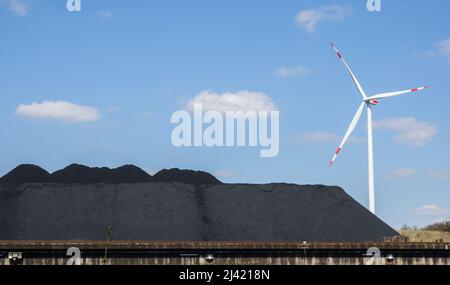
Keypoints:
(441, 227)
(438, 227)
(409, 228)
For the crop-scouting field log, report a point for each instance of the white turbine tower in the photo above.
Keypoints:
(366, 102)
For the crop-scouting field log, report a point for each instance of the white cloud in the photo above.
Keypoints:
(105, 15)
(323, 138)
(402, 173)
(409, 130)
(432, 210)
(58, 110)
(239, 101)
(18, 7)
(441, 49)
(298, 70)
(309, 18)
(440, 174)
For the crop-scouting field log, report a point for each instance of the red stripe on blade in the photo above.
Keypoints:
(338, 151)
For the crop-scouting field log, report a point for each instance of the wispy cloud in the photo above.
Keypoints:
(323, 138)
(409, 130)
(441, 49)
(298, 70)
(402, 173)
(310, 18)
(105, 14)
(18, 7)
(432, 210)
(58, 110)
(440, 174)
(239, 101)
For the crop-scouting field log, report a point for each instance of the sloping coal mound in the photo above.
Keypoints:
(25, 173)
(76, 173)
(186, 176)
(170, 211)
(81, 174)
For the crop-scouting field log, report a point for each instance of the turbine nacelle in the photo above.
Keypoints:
(372, 101)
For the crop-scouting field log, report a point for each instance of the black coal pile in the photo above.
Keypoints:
(186, 176)
(81, 174)
(76, 173)
(171, 211)
(25, 173)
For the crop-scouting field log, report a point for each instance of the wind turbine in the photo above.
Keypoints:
(367, 102)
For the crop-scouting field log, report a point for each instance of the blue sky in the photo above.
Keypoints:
(134, 64)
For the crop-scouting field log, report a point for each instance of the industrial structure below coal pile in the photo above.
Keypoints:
(222, 253)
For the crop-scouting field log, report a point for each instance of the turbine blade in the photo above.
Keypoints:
(355, 80)
(392, 94)
(349, 131)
